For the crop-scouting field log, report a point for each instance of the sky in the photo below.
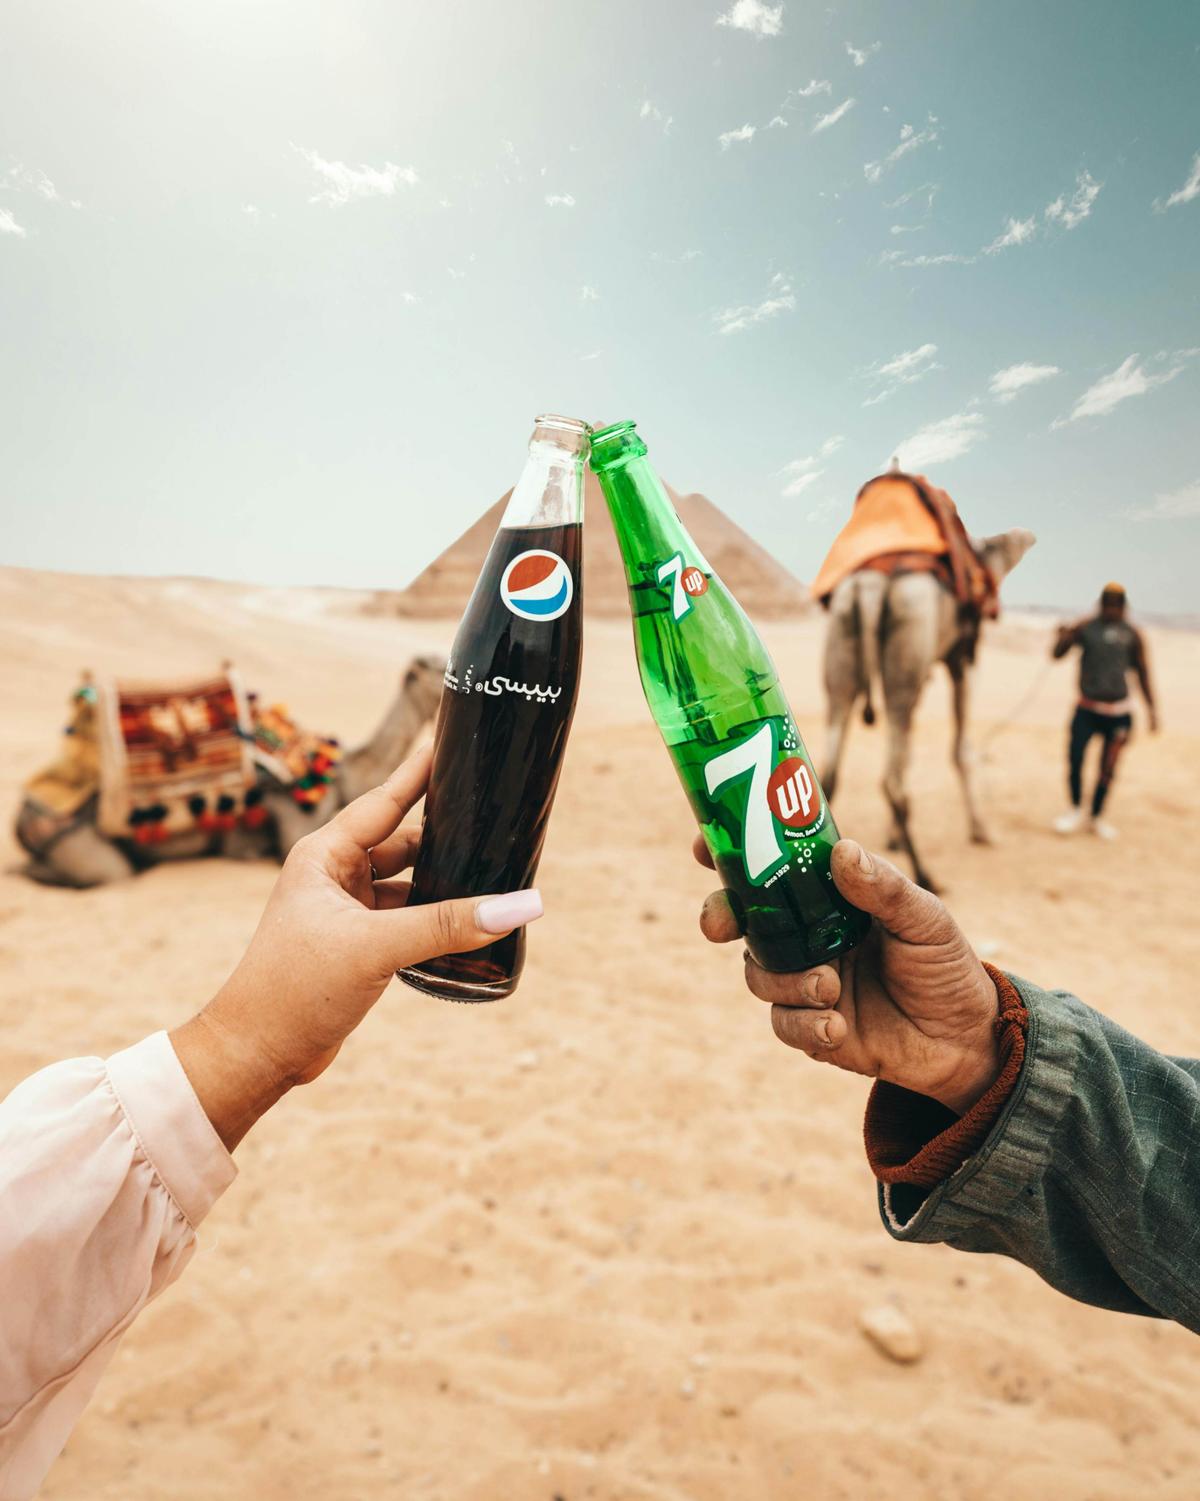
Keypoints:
(283, 283)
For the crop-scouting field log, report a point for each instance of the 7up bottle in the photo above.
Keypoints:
(715, 695)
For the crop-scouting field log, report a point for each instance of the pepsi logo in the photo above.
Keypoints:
(694, 581)
(537, 585)
(792, 794)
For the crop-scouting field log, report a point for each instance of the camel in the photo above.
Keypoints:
(84, 857)
(892, 629)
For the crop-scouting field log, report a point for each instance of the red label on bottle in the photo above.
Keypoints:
(694, 581)
(792, 794)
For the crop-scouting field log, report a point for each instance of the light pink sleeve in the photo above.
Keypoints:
(106, 1169)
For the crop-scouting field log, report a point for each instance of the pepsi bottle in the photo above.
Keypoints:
(506, 711)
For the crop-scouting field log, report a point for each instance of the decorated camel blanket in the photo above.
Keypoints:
(166, 759)
(173, 758)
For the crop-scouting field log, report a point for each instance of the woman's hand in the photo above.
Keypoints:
(912, 1004)
(334, 932)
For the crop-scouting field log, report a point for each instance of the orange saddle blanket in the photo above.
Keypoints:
(904, 513)
(889, 516)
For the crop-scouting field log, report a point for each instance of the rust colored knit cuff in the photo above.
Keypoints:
(913, 1139)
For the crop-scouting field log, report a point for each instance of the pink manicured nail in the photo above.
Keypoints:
(500, 914)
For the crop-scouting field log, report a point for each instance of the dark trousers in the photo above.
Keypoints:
(1114, 730)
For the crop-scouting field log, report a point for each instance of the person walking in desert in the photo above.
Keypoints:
(1110, 648)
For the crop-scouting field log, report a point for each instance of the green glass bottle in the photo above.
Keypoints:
(715, 695)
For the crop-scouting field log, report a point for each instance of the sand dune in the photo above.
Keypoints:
(606, 1239)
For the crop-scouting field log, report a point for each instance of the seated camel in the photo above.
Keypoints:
(72, 850)
(906, 588)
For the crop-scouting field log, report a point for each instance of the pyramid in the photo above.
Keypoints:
(763, 586)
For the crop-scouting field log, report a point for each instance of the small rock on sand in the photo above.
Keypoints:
(891, 1332)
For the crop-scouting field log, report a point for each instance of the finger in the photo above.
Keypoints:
(820, 987)
(876, 886)
(702, 852)
(817, 1033)
(390, 894)
(396, 853)
(456, 927)
(369, 819)
(718, 921)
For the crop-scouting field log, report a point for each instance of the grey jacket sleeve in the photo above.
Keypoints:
(1091, 1175)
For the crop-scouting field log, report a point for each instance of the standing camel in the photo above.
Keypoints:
(82, 856)
(893, 628)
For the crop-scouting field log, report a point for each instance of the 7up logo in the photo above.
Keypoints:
(787, 794)
(687, 583)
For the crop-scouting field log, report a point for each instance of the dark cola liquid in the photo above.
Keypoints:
(501, 732)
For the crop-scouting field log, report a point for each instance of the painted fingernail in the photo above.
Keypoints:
(865, 863)
(501, 914)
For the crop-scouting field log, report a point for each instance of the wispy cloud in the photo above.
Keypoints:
(904, 370)
(859, 55)
(753, 16)
(928, 189)
(1007, 383)
(1174, 505)
(947, 258)
(802, 473)
(742, 133)
(910, 140)
(22, 179)
(1071, 212)
(939, 442)
(834, 116)
(813, 87)
(345, 184)
(588, 293)
(9, 226)
(651, 111)
(905, 229)
(1016, 232)
(560, 200)
(777, 122)
(1185, 194)
(1130, 378)
(675, 260)
(779, 299)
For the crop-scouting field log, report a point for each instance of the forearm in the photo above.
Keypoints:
(105, 1170)
(1091, 1174)
(233, 1080)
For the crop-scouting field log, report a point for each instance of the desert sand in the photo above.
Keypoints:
(606, 1239)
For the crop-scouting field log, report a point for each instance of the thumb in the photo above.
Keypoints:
(410, 935)
(905, 909)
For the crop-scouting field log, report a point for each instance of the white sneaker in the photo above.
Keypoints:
(1069, 823)
(1101, 829)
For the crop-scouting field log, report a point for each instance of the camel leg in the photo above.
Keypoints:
(909, 650)
(81, 858)
(962, 753)
(895, 788)
(841, 703)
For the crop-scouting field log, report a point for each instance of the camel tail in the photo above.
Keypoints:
(869, 604)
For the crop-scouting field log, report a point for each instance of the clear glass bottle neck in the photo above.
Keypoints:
(550, 489)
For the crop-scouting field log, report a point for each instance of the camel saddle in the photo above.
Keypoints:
(174, 757)
(903, 524)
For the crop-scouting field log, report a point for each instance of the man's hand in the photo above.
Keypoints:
(912, 1004)
(334, 932)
